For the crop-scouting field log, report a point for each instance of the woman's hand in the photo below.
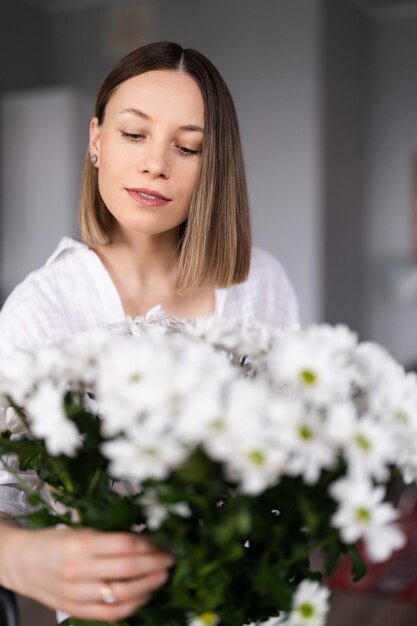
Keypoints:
(78, 571)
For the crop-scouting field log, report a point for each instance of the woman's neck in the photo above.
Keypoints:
(145, 259)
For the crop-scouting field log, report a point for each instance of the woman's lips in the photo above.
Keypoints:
(148, 197)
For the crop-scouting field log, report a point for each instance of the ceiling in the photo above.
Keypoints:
(388, 9)
(380, 4)
(375, 8)
(68, 5)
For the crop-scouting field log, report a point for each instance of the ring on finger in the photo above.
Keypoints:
(106, 593)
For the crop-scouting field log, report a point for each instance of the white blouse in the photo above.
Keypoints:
(73, 292)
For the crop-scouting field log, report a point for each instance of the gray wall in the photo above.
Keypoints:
(370, 112)
(391, 315)
(40, 151)
(269, 53)
(348, 50)
(22, 41)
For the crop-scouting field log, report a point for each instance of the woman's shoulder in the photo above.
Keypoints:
(41, 283)
(262, 261)
(35, 308)
(67, 247)
(267, 273)
(267, 294)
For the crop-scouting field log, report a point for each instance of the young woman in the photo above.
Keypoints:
(164, 221)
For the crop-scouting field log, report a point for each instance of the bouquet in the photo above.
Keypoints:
(257, 456)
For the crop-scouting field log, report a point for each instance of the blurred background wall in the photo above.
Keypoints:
(326, 94)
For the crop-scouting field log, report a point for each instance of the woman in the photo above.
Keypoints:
(164, 221)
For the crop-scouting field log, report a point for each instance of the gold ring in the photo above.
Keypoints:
(106, 594)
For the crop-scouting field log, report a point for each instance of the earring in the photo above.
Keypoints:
(94, 159)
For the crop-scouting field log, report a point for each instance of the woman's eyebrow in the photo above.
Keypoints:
(138, 113)
(145, 116)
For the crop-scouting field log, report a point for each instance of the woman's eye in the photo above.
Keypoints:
(187, 151)
(133, 136)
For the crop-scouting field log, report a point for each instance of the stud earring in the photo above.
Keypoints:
(94, 159)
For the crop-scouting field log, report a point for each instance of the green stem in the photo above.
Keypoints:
(63, 474)
(94, 481)
(324, 542)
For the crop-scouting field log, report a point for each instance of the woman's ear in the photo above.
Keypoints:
(94, 144)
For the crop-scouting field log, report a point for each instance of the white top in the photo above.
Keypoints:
(74, 292)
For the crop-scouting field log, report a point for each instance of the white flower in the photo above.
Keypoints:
(202, 415)
(362, 514)
(126, 382)
(340, 422)
(3, 419)
(310, 605)
(377, 372)
(245, 440)
(156, 321)
(303, 434)
(340, 339)
(18, 376)
(367, 445)
(50, 363)
(236, 335)
(48, 420)
(153, 374)
(182, 509)
(156, 512)
(311, 367)
(11, 420)
(82, 354)
(143, 455)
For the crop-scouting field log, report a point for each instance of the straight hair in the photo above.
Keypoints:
(214, 242)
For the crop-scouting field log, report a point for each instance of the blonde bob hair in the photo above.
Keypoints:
(214, 242)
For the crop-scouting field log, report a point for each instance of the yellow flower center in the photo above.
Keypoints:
(150, 451)
(363, 515)
(257, 457)
(363, 443)
(308, 377)
(306, 609)
(305, 432)
(401, 416)
(209, 619)
(218, 424)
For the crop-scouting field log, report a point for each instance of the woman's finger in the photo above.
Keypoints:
(123, 591)
(117, 568)
(100, 611)
(95, 543)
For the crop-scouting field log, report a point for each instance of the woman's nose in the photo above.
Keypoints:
(155, 161)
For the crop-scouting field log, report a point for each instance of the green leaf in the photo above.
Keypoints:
(358, 564)
(311, 515)
(332, 554)
(42, 518)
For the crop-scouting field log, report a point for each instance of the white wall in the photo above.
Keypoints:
(392, 145)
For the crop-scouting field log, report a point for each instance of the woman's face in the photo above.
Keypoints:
(149, 150)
